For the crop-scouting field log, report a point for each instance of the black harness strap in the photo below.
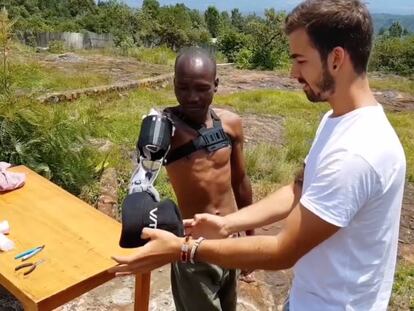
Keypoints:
(211, 139)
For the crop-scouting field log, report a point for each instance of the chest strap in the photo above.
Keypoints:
(210, 139)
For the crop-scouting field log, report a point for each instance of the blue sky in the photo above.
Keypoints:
(376, 6)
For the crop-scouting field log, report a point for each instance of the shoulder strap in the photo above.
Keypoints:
(211, 139)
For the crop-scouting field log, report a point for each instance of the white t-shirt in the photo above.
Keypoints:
(354, 179)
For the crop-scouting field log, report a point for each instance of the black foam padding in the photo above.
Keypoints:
(140, 210)
(155, 131)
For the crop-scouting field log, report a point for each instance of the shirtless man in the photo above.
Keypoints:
(205, 181)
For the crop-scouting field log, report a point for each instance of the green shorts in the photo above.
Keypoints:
(203, 287)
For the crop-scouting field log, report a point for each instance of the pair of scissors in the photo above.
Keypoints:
(29, 264)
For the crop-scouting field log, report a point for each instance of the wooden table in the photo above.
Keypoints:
(79, 243)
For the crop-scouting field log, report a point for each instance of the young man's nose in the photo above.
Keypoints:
(294, 72)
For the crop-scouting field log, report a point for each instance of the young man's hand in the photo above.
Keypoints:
(163, 247)
(207, 226)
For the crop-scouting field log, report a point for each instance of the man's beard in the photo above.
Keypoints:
(326, 87)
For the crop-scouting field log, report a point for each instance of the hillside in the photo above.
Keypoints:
(385, 21)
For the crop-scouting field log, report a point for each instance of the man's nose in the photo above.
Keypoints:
(294, 72)
(193, 96)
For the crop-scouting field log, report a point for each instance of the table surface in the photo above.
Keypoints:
(79, 243)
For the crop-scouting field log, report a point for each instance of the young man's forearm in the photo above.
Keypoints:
(249, 253)
(275, 207)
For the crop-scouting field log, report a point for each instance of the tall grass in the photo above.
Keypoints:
(48, 141)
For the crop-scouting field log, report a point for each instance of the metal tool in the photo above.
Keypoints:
(29, 264)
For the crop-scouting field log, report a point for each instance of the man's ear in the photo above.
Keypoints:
(216, 83)
(336, 59)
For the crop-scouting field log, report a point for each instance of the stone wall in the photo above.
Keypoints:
(75, 94)
(71, 40)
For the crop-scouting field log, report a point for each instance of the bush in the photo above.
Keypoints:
(56, 46)
(126, 45)
(244, 59)
(231, 42)
(393, 55)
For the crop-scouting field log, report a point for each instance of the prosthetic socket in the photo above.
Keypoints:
(142, 207)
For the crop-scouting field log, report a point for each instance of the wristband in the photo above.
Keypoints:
(194, 248)
(184, 250)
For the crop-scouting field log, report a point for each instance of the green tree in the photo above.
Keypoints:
(393, 55)
(115, 18)
(197, 19)
(225, 21)
(81, 7)
(212, 18)
(230, 42)
(151, 7)
(175, 24)
(269, 43)
(396, 30)
(147, 32)
(237, 19)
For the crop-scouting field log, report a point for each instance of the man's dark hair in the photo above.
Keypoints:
(333, 23)
(194, 52)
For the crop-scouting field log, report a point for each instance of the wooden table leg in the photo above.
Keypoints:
(142, 291)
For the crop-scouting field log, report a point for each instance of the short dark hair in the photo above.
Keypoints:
(332, 23)
(193, 51)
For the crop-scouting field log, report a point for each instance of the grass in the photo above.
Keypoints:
(156, 55)
(35, 79)
(271, 164)
(161, 55)
(403, 288)
(403, 125)
(392, 82)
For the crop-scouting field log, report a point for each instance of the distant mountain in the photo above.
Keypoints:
(385, 21)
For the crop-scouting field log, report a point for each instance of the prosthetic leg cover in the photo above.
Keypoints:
(140, 210)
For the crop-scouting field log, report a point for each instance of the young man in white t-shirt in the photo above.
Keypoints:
(342, 214)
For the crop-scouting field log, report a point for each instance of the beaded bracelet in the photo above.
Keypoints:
(194, 248)
(184, 250)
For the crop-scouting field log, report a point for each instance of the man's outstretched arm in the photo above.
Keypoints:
(302, 232)
(274, 207)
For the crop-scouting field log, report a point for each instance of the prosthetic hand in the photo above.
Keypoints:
(142, 207)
